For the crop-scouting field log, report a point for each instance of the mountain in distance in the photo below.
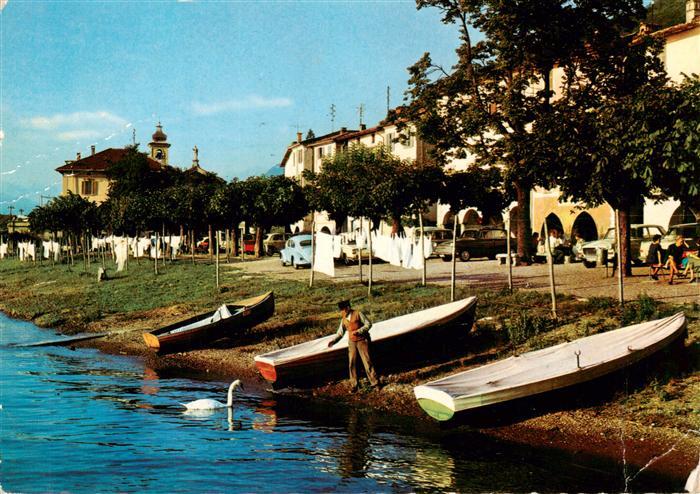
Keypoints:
(275, 170)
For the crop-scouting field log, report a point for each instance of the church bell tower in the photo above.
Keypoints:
(159, 145)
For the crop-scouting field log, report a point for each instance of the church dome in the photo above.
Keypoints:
(159, 135)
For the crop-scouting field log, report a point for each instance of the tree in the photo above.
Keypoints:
(671, 138)
(310, 135)
(227, 208)
(599, 130)
(665, 13)
(485, 106)
(271, 200)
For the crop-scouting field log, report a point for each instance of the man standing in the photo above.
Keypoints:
(357, 325)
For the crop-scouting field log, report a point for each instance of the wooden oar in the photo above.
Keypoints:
(61, 341)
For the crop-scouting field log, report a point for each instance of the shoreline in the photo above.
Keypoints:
(591, 431)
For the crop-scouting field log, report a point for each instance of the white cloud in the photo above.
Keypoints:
(77, 125)
(76, 119)
(248, 103)
(72, 135)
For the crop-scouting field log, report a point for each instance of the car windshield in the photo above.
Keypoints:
(305, 243)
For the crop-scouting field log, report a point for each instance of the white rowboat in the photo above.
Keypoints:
(551, 368)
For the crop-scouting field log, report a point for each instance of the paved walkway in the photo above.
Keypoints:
(574, 279)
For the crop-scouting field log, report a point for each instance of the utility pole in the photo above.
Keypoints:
(133, 136)
(361, 111)
(388, 99)
(332, 114)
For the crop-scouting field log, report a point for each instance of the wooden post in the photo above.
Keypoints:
(453, 284)
(192, 243)
(508, 258)
(550, 261)
(228, 246)
(211, 241)
(422, 247)
(359, 251)
(313, 252)
(217, 258)
(369, 249)
(155, 263)
(618, 249)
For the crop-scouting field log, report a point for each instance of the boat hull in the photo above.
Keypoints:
(475, 388)
(392, 352)
(245, 314)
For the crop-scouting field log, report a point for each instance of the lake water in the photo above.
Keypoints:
(82, 421)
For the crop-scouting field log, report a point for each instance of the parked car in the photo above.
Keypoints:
(249, 243)
(202, 246)
(297, 251)
(590, 252)
(691, 232)
(274, 243)
(437, 235)
(349, 253)
(476, 242)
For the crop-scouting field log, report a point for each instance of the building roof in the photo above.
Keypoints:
(324, 139)
(678, 28)
(99, 162)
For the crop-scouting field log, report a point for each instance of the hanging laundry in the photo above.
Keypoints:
(121, 252)
(3, 251)
(31, 250)
(337, 246)
(323, 255)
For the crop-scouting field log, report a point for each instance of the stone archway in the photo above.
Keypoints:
(448, 219)
(584, 225)
(681, 215)
(553, 222)
(471, 217)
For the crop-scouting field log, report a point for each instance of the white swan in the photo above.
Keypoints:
(209, 404)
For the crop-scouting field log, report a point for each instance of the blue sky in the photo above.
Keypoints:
(233, 78)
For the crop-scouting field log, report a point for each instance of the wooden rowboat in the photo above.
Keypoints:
(401, 340)
(548, 369)
(227, 321)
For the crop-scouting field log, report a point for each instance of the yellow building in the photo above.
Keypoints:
(87, 176)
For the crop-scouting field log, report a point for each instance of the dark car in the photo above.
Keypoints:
(476, 242)
(274, 243)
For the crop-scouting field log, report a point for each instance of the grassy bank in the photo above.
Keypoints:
(661, 403)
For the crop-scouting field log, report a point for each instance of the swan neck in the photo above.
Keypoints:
(229, 402)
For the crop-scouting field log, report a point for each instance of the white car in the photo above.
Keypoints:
(691, 232)
(590, 251)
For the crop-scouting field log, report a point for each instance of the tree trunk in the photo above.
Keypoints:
(625, 250)
(228, 246)
(217, 259)
(234, 241)
(258, 242)
(620, 264)
(524, 232)
(509, 259)
(192, 243)
(395, 225)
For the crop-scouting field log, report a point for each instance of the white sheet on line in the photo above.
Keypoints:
(3, 251)
(323, 255)
(121, 252)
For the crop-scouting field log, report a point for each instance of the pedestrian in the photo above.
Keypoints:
(675, 254)
(357, 325)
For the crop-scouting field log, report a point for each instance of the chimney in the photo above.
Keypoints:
(298, 136)
(692, 10)
(77, 156)
(363, 126)
(92, 150)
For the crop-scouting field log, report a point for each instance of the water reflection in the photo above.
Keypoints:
(150, 382)
(265, 419)
(354, 454)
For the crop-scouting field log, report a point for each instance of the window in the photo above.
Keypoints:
(410, 140)
(495, 234)
(390, 141)
(88, 188)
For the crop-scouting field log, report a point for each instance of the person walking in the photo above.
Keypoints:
(357, 325)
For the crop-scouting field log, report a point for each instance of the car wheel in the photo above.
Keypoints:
(282, 261)
(589, 264)
(296, 266)
(446, 258)
(464, 256)
(346, 261)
